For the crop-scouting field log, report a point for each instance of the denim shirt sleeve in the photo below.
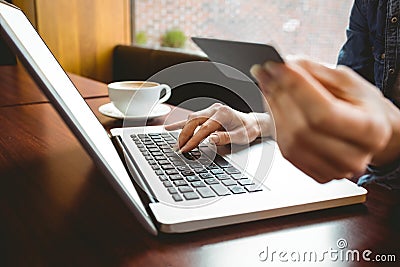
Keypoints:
(357, 50)
(388, 176)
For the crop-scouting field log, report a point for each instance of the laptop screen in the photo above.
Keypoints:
(44, 68)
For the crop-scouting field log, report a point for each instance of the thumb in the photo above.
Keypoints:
(235, 137)
(220, 138)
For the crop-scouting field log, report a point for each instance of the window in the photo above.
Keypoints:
(315, 28)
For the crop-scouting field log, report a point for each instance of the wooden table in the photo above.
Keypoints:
(20, 89)
(57, 209)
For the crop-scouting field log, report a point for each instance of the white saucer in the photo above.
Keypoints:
(110, 110)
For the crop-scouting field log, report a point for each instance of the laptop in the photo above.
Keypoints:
(169, 192)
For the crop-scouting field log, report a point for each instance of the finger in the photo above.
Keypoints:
(262, 77)
(194, 120)
(234, 137)
(220, 138)
(175, 125)
(189, 129)
(205, 130)
(342, 75)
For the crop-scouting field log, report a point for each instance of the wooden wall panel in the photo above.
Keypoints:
(82, 33)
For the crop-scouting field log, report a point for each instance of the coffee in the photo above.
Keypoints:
(134, 85)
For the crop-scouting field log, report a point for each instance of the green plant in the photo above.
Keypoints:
(174, 38)
(141, 38)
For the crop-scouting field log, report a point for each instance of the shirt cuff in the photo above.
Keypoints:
(387, 176)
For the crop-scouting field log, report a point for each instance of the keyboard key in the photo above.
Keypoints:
(200, 170)
(206, 175)
(245, 182)
(205, 192)
(217, 171)
(223, 176)
(195, 164)
(206, 162)
(155, 167)
(220, 190)
(158, 158)
(220, 161)
(180, 183)
(159, 172)
(228, 182)
(170, 154)
(172, 190)
(167, 167)
(198, 184)
(175, 177)
(183, 168)
(232, 170)
(188, 156)
(237, 189)
(238, 176)
(195, 154)
(253, 188)
(211, 181)
(185, 189)
(177, 197)
(190, 196)
(163, 177)
(187, 173)
(192, 178)
(167, 184)
(212, 166)
(177, 162)
(171, 172)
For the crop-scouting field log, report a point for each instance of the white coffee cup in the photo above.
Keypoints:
(137, 98)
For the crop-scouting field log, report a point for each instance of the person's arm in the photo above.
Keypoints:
(330, 123)
(224, 125)
(357, 51)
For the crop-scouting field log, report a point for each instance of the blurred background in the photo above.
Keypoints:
(84, 34)
(312, 27)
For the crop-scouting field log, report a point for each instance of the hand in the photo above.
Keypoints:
(223, 124)
(330, 122)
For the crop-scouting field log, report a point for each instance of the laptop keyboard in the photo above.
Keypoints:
(192, 175)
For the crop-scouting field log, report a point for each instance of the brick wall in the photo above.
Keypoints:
(314, 28)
